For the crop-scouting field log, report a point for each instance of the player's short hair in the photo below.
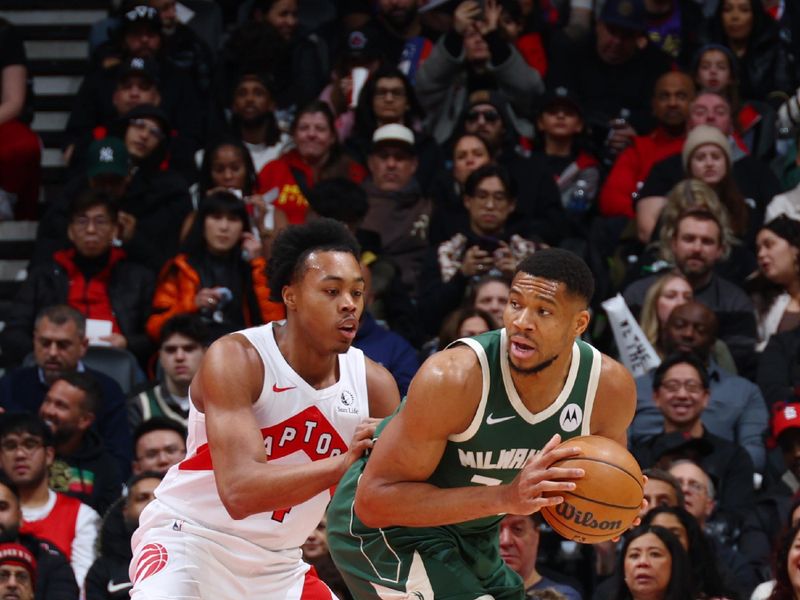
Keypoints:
(562, 266)
(293, 245)
(679, 358)
(157, 423)
(485, 172)
(90, 198)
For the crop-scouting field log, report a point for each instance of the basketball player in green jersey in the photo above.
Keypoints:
(476, 438)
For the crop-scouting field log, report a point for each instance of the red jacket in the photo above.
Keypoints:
(632, 167)
(179, 283)
(278, 174)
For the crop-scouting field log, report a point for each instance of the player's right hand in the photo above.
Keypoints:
(361, 442)
(524, 495)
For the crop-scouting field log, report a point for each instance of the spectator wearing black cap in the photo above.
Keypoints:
(183, 47)
(357, 59)
(562, 129)
(157, 199)
(681, 394)
(92, 276)
(474, 55)
(139, 37)
(613, 72)
(539, 212)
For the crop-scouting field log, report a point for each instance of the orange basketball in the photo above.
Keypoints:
(605, 500)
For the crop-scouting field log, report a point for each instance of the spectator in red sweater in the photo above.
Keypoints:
(672, 95)
(317, 155)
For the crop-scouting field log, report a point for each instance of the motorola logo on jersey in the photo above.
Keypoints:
(347, 403)
(571, 417)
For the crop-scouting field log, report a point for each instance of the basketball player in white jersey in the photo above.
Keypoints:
(278, 413)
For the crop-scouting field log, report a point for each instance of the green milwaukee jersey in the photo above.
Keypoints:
(503, 433)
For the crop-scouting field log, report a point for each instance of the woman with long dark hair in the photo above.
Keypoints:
(220, 273)
(653, 566)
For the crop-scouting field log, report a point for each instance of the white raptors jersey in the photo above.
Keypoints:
(299, 424)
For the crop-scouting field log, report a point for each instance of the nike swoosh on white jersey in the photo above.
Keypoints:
(118, 587)
(490, 420)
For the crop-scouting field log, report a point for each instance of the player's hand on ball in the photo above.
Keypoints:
(525, 495)
(361, 442)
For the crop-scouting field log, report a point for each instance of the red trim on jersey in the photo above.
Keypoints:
(58, 527)
(314, 589)
(304, 432)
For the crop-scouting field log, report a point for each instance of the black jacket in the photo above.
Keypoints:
(54, 577)
(108, 575)
(130, 291)
(779, 368)
(91, 474)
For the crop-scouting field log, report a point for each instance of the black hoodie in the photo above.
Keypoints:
(54, 577)
(90, 474)
(108, 578)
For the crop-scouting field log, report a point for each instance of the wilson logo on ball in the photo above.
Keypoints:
(585, 519)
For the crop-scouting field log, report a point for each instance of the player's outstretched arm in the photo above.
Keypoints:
(614, 403)
(442, 401)
(226, 386)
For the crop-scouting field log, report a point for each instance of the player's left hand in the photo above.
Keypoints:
(361, 442)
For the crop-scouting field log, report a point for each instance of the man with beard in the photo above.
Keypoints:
(108, 577)
(82, 467)
(17, 572)
(421, 515)
(400, 36)
(59, 344)
(398, 210)
(670, 105)
(736, 409)
(54, 577)
(697, 246)
(253, 118)
(26, 454)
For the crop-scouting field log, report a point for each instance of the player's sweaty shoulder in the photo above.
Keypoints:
(231, 369)
(448, 385)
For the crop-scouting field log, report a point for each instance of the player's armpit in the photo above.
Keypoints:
(382, 390)
(229, 381)
(614, 403)
(441, 401)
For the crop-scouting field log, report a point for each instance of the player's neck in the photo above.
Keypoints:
(34, 496)
(539, 390)
(532, 579)
(318, 369)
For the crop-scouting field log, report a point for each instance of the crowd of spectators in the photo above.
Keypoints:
(658, 139)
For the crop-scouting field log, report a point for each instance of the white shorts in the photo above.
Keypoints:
(179, 560)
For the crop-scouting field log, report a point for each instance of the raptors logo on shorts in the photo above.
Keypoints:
(152, 559)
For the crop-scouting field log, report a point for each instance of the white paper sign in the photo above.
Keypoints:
(97, 328)
(635, 350)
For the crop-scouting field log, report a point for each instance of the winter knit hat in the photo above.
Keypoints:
(704, 134)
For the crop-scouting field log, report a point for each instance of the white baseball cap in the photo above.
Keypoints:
(393, 132)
